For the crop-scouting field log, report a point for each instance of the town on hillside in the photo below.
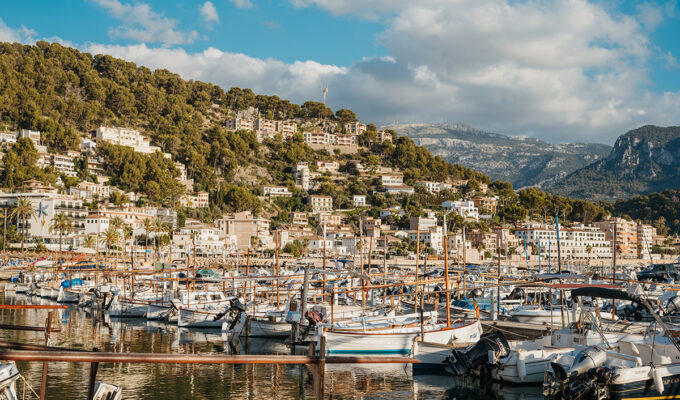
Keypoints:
(476, 230)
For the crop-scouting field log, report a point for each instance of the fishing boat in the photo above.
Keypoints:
(379, 338)
(648, 369)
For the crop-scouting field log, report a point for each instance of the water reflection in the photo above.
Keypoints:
(86, 329)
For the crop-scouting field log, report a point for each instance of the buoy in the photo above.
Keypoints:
(658, 380)
(521, 367)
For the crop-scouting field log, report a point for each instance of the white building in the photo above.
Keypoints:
(578, 242)
(645, 239)
(465, 209)
(34, 136)
(301, 175)
(198, 200)
(8, 137)
(321, 203)
(359, 200)
(433, 237)
(276, 191)
(47, 203)
(392, 180)
(355, 128)
(208, 241)
(400, 189)
(434, 187)
(327, 166)
(125, 137)
(89, 190)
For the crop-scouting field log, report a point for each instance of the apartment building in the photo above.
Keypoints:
(276, 191)
(125, 137)
(392, 180)
(327, 166)
(328, 219)
(645, 237)
(435, 187)
(197, 200)
(486, 205)
(133, 217)
(359, 200)
(47, 203)
(301, 175)
(355, 128)
(89, 190)
(321, 203)
(206, 239)
(316, 137)
(299, 218)
(433, 236)
(286, 128)
(465, 209)
(264, 125)
(237, 124)
(578, 242)
(383, 136)
(245, 226)
(625, 239)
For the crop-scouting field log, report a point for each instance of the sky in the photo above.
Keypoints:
(561, 71)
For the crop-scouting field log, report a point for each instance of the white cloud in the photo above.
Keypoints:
(209, 13)
(562, 70)
(142, 24)
(300, 80)
(242, 3)
(22, 34)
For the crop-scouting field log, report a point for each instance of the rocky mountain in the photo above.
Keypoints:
(521, 160)
(644, 160)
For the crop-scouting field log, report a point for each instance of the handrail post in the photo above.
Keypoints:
(321, 369)
(93, 378)
(43, 382)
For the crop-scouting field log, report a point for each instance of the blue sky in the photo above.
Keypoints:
(572, 70)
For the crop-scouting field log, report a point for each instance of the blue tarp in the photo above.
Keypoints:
(72, 282)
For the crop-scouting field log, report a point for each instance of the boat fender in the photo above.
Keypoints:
(658, 380)
(521, 366)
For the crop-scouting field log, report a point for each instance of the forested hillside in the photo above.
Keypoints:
(66, 94)
(661, 209)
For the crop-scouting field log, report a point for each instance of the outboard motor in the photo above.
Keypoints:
(516, 294)
(475, 293)
(236, 309)
(314, 316)
(673, 305)
(590, 358)
(462, 361)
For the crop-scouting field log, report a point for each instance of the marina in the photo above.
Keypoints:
(307, 326)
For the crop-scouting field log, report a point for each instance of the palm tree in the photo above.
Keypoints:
(117, 223)
(148, 227)
(61, 223)
(169, 229)
(194, 235)
(110, 237)
(90, 241)
(158, 227)
(127, 234)
(23, 209)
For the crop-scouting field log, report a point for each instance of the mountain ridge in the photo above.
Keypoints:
(524, 161)
(643, 160)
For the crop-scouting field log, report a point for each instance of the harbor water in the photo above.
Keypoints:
(81, 329)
